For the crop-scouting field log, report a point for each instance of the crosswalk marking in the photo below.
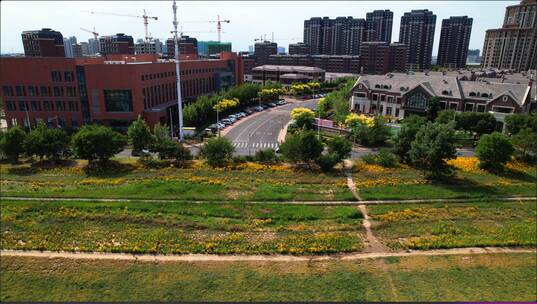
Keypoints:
(262, 145)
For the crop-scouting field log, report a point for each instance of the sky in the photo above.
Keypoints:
(249, 19)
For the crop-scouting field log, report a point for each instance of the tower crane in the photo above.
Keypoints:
(144, 16)
(218, 22)
(95, 34)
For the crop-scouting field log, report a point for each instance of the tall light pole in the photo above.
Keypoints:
(178, 74)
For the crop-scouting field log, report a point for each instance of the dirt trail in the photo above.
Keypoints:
(372, 243)
(254, 258)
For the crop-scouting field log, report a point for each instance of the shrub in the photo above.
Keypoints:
(369, 158)
(494, 151)
(433, 107)
(302, 146)
(161, 139)
(218, 151)
(371, 135)
(384, 158)
(518, 122)
(47, 142)
(139, 135)
(12, 143)
(327, 161)
(525, 142)
(267, 156)
(94, 142)
(406, 135)
(433, 146)
(303, 117)
(340, 147)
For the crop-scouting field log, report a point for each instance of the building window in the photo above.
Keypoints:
(443, 105)
(74, 123)
(469, 107)
(389, 111)
(505, 98)
(502, 109)
(11, 106)
(36, 106)
(417, 101)
(71, 91)
(20, 90)
(58, 91)
(480, 108)
(69, 76)
(118, 100)
(56, 76)
(45, 91)
(59, 106)
(382, 97)
(48, 105)
(397, 112)
(22, 106)
(8, 90)
(14, 122)
(375, 97)
(32, 91)
(453, 106)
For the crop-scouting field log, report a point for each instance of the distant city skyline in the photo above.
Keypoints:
(249, 20)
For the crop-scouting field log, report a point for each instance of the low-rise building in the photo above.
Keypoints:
(286, 74)
(400, 95)
(329, 63)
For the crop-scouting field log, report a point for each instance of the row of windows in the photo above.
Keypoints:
(51, 122)
(68, 76)
(33, 91)
(173, 74)
(163, 93)
(38, 106)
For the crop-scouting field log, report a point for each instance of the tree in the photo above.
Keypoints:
(95, 142)
(340, 147)
(402, 142)
(446, 116)
(433, 146)
(12, 143)
(518, 122)
(171, 149)
(525, 141)
(47, 142)
(327, 161)
(139, 135)
(161, 139)
(433, 107)
(475, 122)
(267, 156)
(494, 151)
(218, 151)
(303, 117)
(374, 134)
(303, 146)
(323, 107)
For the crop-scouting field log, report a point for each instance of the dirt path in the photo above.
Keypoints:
(362, 202)
(372, 243)
(246, 258)
(350, 182)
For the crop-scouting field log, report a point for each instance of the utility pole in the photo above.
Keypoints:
(178, 74)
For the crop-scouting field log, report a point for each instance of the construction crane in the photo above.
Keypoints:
(218, 22)
(95, 34)
(264, 38)
(144, 16)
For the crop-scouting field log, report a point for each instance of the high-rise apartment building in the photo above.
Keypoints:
(340, 36)
(473, 56)
(417, 32)
(454, 41)
(116, 44)
(514, 46)
(153, 46)
(93, 45)
(379, 25)
(43, 43)
(262, 51)
(84, 47)
(299, 48)
(207, 48)
(378, 57)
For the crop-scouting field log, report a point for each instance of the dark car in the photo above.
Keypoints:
(264, 106)
(271, 104)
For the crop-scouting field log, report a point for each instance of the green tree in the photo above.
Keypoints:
(47, 142)
(302, 146)
(475, 122)
(161, 140)
(525, 141)
(433, 146)
(433, 107)
(446, 116)
(494, 151)
(12, 143)
(218, 151)
(95, 142)
(139, 135)
(303, 117)
(371, 135)
(340, 147)
(327, 161)
(266, 156)
(171, 149)
(518, 122)
(402, 142)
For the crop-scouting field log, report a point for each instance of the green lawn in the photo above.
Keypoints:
(377, 183)
(249, 182)
(428, 226)
(484, 277)
(223, 228)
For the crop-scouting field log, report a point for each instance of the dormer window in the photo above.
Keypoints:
(485, 95)
(386, 86)
(472, 94)
(377, 86)
(445, 92)
(402, 88)
(505, 98)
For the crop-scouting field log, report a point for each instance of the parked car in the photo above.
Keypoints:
(271, 104)
(259, 108)
(249, 111)
(264, 107)
(281, 102)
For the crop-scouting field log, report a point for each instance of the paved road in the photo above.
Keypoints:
(261, 131)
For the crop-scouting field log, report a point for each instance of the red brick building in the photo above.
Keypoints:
(111, 90)
(44, 42)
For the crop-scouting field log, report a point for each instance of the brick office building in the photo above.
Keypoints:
(116, 44)
(44, 42)
(112, 90)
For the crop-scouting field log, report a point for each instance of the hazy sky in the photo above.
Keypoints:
(249, 19)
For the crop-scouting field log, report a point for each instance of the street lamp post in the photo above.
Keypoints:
(217, 122)
(177, 72)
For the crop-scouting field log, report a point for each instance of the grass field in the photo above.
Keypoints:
(440, 225)
(223, 228)
(375, 182)
(244, 182)
(487, 277)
